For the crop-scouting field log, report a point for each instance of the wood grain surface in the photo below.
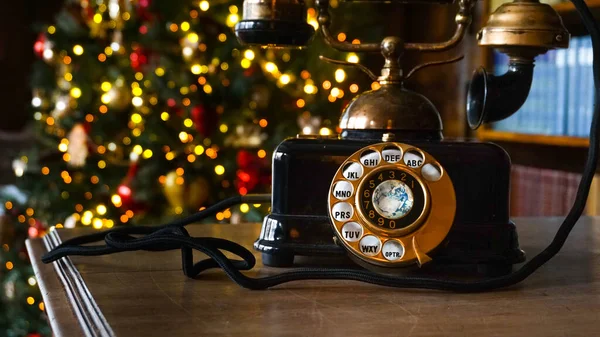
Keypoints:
(146, 294)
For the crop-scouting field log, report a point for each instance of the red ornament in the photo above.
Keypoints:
(253, 171)
(34, 334)
(33, 232)
(143, 10)
(38, 46)
(128, 199)
(205, 120)
(244, 176)
(138, 58)
(36, 230)
(124, 191)
(247, 179)
(244, 159)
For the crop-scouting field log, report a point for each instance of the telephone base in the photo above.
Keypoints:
(279, 259)
(491, 249)
(493, 270)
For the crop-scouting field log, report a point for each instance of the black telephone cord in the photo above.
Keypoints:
(174, 235)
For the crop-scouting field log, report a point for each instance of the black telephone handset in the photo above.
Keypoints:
(390, 204)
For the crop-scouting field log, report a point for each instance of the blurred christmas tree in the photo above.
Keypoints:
(21, 308)
(148, 109)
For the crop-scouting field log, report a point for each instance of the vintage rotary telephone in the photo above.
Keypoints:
(395, 194)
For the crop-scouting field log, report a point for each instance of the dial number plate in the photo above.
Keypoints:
(391, 199)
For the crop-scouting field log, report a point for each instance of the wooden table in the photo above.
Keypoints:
(146, 294)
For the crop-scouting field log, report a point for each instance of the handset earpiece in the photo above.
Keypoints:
(493, 98)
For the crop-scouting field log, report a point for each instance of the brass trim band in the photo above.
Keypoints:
(282, 10)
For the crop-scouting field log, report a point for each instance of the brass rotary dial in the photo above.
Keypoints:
(391, 204)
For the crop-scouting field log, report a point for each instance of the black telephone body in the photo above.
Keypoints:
(481, 232)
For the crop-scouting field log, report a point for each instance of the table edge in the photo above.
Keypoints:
(91, 321)
(42, 281)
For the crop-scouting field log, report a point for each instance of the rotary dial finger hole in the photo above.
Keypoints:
(342, 211)
(392, 250)
(431, 172)
(370, 245)
(342, 190)
(352, 231)
(392, 154)
(413, 158)
(370, 158)
(353, 171)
